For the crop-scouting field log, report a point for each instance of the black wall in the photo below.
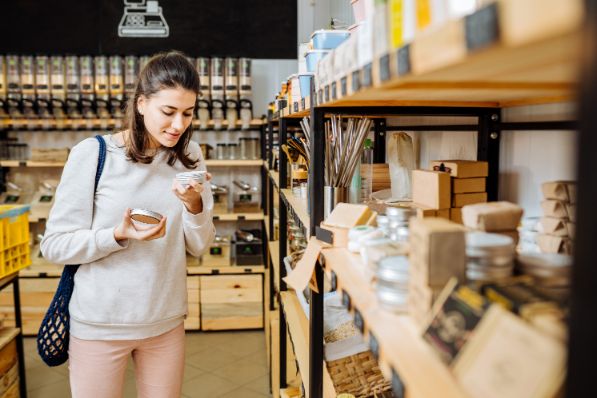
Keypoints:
(248, 28)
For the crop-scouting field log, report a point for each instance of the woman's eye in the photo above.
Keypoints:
(168, 113)
(187, 114)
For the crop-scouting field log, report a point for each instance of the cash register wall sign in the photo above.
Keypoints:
(143, 18)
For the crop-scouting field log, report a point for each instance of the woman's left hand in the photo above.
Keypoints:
(191, 195)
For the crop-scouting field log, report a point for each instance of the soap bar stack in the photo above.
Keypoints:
(437, 253)
(558, 221)
(499, 217)
(468, 183)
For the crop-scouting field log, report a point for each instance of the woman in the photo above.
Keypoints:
(130, 294)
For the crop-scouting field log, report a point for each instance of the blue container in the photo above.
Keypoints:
(328, 39)
(305, 83)
(313, 56)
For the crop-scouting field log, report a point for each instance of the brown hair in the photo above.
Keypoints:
(163, 71)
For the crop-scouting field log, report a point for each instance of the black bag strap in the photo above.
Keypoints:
(101, 160)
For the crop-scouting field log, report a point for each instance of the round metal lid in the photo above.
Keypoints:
(146, 216)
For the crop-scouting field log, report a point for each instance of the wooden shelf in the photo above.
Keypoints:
(274, 252)
(298, 328)
(275, 176)
(255, 123)
(226, 163)
(235, 217)
(299, 207)
(237, 269)
(209, 163)
(29, 163)
(401, 346)
(530, 61)
(96, 123)
(7, 334)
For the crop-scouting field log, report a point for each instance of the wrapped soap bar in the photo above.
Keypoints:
(560, 190)
(492, 216)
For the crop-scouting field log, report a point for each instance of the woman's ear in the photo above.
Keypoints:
(141, 103)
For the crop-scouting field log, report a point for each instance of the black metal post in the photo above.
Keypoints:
(582, 346)
(379, 145)
(20, 348)
(316, 183)
(488, 148)
(283, 234)
(270, 139)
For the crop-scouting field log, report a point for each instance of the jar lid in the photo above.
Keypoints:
(146, 216)
(483, 244)
(221, 144)
(232, 144)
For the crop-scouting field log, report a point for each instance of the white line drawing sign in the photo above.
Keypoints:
(143, 18)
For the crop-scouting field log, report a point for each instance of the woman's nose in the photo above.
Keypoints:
(178, 123)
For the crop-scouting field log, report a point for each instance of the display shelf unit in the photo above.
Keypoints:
(237, 269)
(239, 216)
(208, 163)
(394, 339)
(15, 333)
(298, 328)
(96, 124)
(296, 205)
(471, 67)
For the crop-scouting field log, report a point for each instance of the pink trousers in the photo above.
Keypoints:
(97, 368)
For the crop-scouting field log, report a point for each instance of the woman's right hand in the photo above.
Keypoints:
(129, 230)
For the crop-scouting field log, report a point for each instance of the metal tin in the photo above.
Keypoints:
(393, 300)
(221, 151)
(393, 270)
(146, 216)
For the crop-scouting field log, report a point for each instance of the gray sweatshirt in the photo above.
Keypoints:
(138, 289)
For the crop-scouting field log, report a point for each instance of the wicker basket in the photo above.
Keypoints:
(359, 375)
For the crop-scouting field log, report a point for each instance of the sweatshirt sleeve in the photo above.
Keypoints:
(69, 237)
(199, 230)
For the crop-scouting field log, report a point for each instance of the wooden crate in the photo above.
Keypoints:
(193, 320)
(9, 382)
(231, 302)
(36, 295)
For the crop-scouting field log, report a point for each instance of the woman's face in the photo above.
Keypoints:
(167, 114)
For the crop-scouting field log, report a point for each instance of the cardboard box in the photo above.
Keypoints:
(559, 190)
(425, 212)
(492, 216)
(346, 215)
(554, 244)
(468, 185)
(554, 208)
(463, 168)
(456, 215)
(463, 199)
(437, 250)
(431, 189)
(554, 226)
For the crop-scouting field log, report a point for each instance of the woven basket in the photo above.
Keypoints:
(359, 375)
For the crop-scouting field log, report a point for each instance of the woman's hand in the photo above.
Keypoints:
(127, 229)
(191, 195)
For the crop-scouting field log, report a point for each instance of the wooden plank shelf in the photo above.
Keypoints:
(275, 176)
(237, 269)
(239, 216)
(298, 328)
(496, 57)
(297, 206)
(232, 163)
(97, 124)
(274, 252)
(297, 110)
(402, 351)
(208, 162)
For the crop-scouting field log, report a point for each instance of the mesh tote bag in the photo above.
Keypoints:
(53, 335)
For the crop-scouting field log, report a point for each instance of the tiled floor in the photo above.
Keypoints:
(217, 364)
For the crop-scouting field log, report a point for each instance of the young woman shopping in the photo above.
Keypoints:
(130, 295)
